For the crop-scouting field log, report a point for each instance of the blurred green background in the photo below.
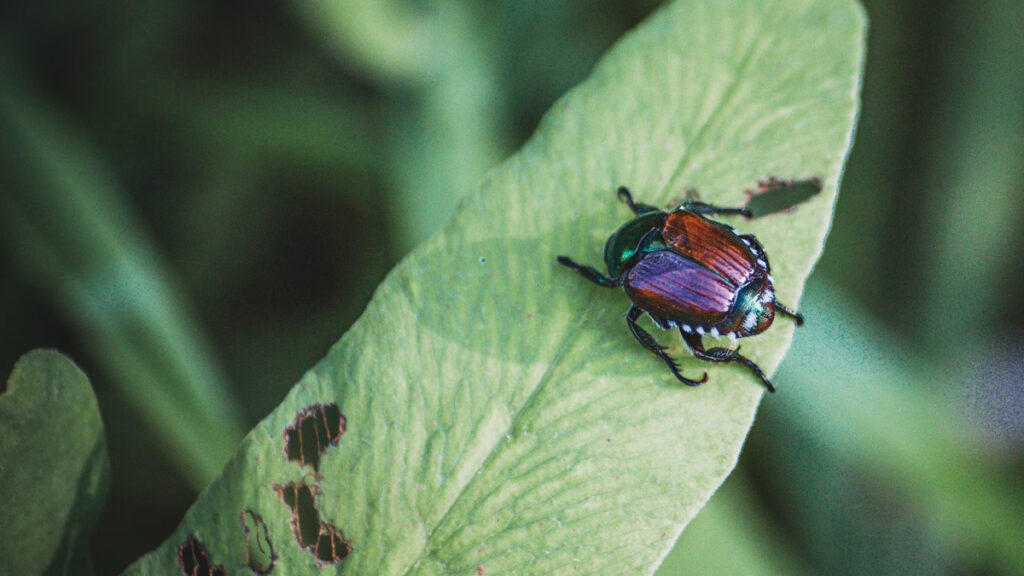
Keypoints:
(198, 198)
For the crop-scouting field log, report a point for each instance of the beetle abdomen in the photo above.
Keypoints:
(713, 244)
(672, 287)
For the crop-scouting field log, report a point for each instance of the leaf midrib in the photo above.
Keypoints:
(542, 381)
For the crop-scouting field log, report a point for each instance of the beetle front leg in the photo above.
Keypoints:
(647, 341)
(637, 209)
(589, 272)
(696, 345)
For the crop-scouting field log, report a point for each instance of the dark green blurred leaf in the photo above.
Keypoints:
(854, 392)
(440, 69)
(969, 228)
(53, 467)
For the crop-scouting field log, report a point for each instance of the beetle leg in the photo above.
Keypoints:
(693, 341)
(796, 316)
(589, 272)
(638, 209)
(647, 341)
(698, 207)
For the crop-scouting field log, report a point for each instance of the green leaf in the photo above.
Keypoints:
(53, 466)
(498, 415)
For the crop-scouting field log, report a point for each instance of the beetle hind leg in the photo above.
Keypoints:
(693, 341)
(647, 341)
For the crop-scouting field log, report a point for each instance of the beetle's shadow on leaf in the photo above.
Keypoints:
(511, 296)
(526, 307)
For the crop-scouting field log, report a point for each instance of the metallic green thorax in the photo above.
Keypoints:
(625, 243)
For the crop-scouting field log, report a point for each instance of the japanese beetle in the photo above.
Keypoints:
(690, 272)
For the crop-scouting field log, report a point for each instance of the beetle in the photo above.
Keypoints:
(688, 271)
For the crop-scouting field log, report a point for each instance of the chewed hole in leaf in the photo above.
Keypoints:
(322, 539)
(775, 195)
(301, 498)
(317, 428)
(332, 546)
(194, 560)
(259, 550)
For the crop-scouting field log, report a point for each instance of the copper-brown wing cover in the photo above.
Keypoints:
(703, 240)
(671, 287)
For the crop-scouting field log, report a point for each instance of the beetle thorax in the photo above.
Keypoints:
(754, 308)
(623, 246)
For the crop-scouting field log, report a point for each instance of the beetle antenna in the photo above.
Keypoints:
(796, 316)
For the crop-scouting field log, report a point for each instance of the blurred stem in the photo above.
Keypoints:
(446, 105)
(729, 536)
(977, 166)
(74, 236)
(385, 38)
(445, 141)
(858, 392)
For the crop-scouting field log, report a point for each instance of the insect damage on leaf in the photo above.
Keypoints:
(322, 539)
(259, 550)
(317, 427)
(195, 561)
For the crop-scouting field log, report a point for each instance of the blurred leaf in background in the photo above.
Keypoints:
(54, 469)
(272, 161)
